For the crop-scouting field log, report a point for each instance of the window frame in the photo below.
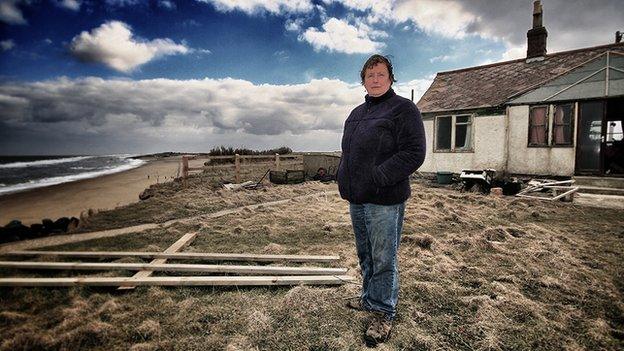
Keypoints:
(454, 124)
(547, 126)
(572, 126)
(550, 125)
(435, 134)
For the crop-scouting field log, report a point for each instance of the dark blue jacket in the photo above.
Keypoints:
(383, 143)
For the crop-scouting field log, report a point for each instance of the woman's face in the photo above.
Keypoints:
(377, 80)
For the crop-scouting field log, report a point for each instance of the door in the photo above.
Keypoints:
(590, 138)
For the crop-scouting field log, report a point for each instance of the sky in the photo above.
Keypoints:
(144, 76)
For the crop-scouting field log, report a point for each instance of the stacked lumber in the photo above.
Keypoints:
(544, 189)
(260, 274)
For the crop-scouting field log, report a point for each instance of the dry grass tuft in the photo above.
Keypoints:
(144, 346)
(240, 343)
(153, 248)
(149, 329)
(423, 242)
(273, 248)
(495, 234)
(8, 317)
(25, 338)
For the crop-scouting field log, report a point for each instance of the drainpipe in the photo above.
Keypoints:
(506, 144)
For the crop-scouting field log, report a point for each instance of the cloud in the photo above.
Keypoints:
(95, 115)
(294, 25)
(113, 44)
(445, 18)
(252, 7)
(10, 13)
(122, 3)
(570, 24)
(379, 10)
(281, 55)
(441, 58)
(6, 45)
(73, 5)
(340, 36)
(191, 23)
(419, 86)
(167, 4)
(214, 105)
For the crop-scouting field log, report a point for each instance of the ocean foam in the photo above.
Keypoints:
(132, 163)
(44, 162)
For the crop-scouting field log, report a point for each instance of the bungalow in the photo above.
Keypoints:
(548, 114)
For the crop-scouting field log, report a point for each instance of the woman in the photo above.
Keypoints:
(383, 143)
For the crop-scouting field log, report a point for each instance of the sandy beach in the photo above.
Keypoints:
(69, 199)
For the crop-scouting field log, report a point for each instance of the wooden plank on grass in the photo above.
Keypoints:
(204, 256)
(181, 281)
(169, 267)
(175, 247)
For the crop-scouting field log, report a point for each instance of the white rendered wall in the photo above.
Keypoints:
(535, 160)
(488, 148)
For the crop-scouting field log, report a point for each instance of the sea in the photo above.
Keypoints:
(21, 173)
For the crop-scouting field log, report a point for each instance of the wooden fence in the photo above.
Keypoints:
(241, 163)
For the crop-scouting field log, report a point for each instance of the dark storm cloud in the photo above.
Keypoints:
(571, 24)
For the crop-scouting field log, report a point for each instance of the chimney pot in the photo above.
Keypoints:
(537, 14)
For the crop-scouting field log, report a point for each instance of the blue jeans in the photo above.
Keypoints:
(377, 231)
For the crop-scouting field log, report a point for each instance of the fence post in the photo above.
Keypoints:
(237, 165)
(277, 162)
(185, 169)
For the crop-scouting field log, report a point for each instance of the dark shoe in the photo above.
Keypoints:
(378, 330)
(356, 304)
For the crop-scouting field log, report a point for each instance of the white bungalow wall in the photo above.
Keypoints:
(535, 160)
(488, 148)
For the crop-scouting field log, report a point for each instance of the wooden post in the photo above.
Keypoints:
(237, 164)
(185, 169)
(277, 162)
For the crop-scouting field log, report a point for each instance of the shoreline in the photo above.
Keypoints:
(70, 199)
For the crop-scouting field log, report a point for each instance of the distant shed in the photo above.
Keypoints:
(312, 161)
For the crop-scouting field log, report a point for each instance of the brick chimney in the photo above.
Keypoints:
(536, 36)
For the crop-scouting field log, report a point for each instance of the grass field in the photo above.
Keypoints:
(477, 273)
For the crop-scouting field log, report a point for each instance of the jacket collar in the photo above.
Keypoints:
(374, 100)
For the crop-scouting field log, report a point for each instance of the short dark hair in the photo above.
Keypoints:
(374, 60)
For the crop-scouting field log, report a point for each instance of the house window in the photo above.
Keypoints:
(551, 125)
(453, 133)
(443, 132)
(462, 132)
(538, 126)
(563, 119)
